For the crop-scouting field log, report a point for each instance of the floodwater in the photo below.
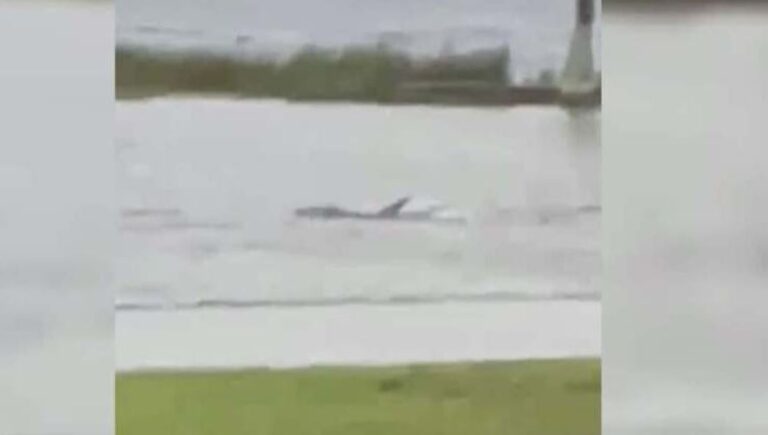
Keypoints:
(243, 269)
(356, 334)
(236, 170)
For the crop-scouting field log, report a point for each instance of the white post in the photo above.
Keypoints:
(578, 75)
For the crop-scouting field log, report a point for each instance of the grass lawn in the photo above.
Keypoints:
(553, 397)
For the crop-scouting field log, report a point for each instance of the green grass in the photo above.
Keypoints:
(558, 397)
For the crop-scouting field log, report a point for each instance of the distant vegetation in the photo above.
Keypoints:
(357, 73)
(557, 397)
(374, 74)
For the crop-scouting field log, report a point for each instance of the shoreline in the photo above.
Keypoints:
(203, 371)
(511, 97)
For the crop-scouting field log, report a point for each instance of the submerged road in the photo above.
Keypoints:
(356, 334)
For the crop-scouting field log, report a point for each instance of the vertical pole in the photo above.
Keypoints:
(585, 15)
(578, 75)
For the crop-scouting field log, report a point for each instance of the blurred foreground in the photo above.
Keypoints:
(57, 218)
(684, 222)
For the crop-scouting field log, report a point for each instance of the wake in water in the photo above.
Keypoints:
(396, 300)
(510, 256)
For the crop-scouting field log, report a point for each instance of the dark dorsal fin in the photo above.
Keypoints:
(393, 209)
